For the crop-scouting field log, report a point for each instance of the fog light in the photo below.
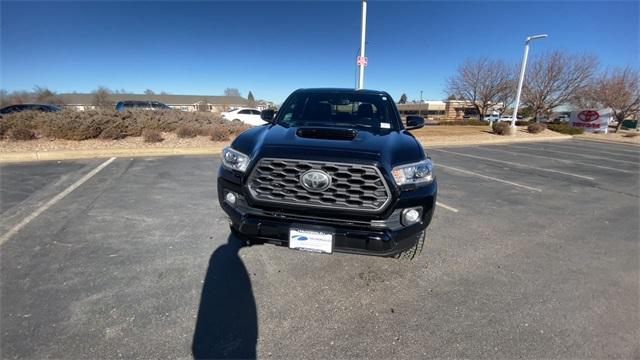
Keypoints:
(410, 216)
(231, 198)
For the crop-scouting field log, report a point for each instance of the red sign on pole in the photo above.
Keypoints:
(362, 60)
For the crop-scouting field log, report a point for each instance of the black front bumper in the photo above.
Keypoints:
(381, 235)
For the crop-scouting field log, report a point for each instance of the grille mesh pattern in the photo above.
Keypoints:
(353, 186)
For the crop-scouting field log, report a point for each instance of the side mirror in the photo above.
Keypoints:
(268, 115)
(414, 122)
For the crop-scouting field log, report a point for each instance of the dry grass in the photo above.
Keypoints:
(188, 132)
(20, 134)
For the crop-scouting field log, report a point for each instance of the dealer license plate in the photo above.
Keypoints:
(310, 240)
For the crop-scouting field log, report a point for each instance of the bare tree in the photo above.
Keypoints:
(4, 98)
(231, 92)
(149, 92)
(481, 83)
(46, 96)
(507, 97)
(203, 105)
(20, 97)
(553, 79)
(618, 89)
(101, 97)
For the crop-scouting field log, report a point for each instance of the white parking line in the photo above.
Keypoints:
(555, 159)
(575, 154)
(614, 152)
(438, 203)
(488, 177)
(516, 164)
(54, 200)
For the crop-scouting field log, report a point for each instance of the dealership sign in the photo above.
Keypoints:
(592, 120)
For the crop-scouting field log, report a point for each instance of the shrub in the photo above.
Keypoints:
(502, 128)
(564, 129)
(20, 134)
(152, 136)
(236, 129)
(187, 131)
(81, 125)
(470, 122)
(112, 133)
(219, 133)
(536, 128)
(72, 129)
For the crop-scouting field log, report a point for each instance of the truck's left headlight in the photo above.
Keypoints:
(234, 160)
(420, 173)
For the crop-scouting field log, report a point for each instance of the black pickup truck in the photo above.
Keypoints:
(334, 170)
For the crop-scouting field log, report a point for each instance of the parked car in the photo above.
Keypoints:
(335, 170)
(562, 118)
(141, 105)
(492, 117)
(28, 107)
(249, 116)
(505, 118)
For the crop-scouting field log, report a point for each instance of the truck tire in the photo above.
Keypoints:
(413, 252)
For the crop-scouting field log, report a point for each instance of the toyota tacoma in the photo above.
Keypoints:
(334, 170)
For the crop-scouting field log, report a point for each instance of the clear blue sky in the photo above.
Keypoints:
(272, 48)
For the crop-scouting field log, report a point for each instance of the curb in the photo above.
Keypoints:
(606, 141)
(27, 156)
(104, 153)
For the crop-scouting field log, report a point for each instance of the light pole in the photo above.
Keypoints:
(357, 69)
(420, 111)
(523, 66)
(362, 43)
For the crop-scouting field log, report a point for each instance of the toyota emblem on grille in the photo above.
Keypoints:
(315, 180)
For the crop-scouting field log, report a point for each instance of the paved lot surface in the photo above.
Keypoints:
(534, 253)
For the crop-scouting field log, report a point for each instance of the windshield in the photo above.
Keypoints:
(369, 112)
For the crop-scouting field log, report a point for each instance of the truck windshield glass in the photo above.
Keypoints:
(369, 112)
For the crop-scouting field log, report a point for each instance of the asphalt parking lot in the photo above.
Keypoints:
(533, 252)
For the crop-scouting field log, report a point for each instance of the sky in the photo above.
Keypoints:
(273, 48)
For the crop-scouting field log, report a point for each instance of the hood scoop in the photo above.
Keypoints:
(327, 133)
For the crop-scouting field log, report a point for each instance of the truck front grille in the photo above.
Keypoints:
(353, 186)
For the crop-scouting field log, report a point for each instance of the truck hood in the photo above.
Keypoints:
(388, 149)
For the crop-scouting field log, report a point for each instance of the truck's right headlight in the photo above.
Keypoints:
(420, 173)
(234, 160)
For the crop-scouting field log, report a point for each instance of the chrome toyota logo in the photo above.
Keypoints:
(315, 180)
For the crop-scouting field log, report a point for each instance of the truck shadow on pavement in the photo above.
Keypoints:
(227, 324)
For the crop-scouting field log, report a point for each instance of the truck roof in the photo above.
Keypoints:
(342, 90)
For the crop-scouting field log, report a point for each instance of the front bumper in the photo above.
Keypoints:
(381, 235)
